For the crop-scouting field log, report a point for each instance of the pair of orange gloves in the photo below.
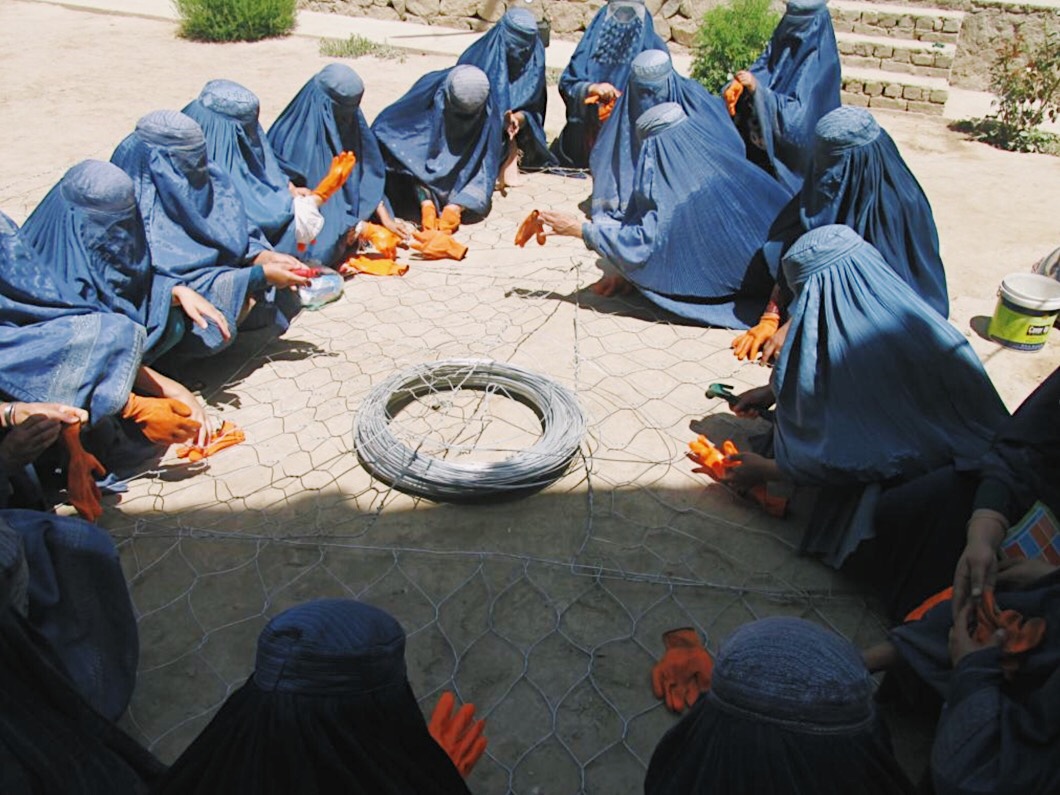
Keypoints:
(1021, 634)
(435, 240)
(716, 464)
(162, 421)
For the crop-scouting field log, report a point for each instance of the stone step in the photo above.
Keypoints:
(931, 58)
(877, 88)
(916, 23)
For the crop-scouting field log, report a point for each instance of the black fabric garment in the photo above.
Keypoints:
(51, 741)
(284, 743)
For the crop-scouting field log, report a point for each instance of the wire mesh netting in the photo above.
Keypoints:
(546, 612)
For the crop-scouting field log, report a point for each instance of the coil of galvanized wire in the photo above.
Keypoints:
(418, 472)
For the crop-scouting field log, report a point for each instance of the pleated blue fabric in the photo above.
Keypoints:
(619, 32)
(79, 602)
(444, 135)
(858, 178)
(228, 114)
(513, 58)
(690, 236)
(798, 82)
(322, 120)
(652, 81)
(55, 345)
(328, 709)
(873, 386)
(197, 228)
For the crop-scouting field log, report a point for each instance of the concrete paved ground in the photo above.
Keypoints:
(545, 612)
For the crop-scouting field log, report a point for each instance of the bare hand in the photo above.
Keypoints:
(178, 391)
(751, 402)
(29, 439)
(400, 227)
(977, 567)
(1019, 573)
(752, 470)
(747, 80)
(772, 347)
(605, 91)
(60, 412)
(278, 269)
(514, 121)
(199, 310)
(296, 191)
(561, 223)
(962, 643)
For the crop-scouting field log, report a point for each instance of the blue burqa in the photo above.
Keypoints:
(858, 178)
(322, 120)
(690, 236)
(619, 32)
(798, 82)
(430, 142)
(228, 115)
(873, 386)
(513, 58)
(56, 346)
(197, 228)
(653, 81)
(78, 600)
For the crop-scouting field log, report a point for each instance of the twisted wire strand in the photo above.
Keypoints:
(563, 426)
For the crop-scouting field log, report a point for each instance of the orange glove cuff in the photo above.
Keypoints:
(373, 266)
(531, 226)
(450, 220)
(428, 216)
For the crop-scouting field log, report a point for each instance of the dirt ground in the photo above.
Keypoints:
(545, 612)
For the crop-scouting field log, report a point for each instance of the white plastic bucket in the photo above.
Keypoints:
(1027, 306)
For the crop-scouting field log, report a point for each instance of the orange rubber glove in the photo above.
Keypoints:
(461, 739)
(1021, 635)
(712, 461)
(732, 95)
(438, 245)
(428, 217)
(748, 344)
(604, 109)
(341, 166)
(82, 469)
(684, 670)
(450, 220)
(532, 226)
(373, 266)
(918, 612)
(715, 463)
(384, 241)
(227, 435)
(162, 420)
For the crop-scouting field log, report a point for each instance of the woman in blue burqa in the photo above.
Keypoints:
(690, 237)
(228, 115)
(442, 145)
(328, 709)
(53, 737)
(57, 346)
(790, 711)
(652, 81)
(323, 120)
(599, 68)
(197, 228)
(794, 82)
(513, 58)
(857, 178)
(88, 231)
(872, 388)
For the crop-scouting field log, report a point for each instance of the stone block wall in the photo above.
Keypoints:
(893, 96)
(676, 21)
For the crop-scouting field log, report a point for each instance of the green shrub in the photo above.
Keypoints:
(1026, 81)
(235, 20)
(730, 38)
